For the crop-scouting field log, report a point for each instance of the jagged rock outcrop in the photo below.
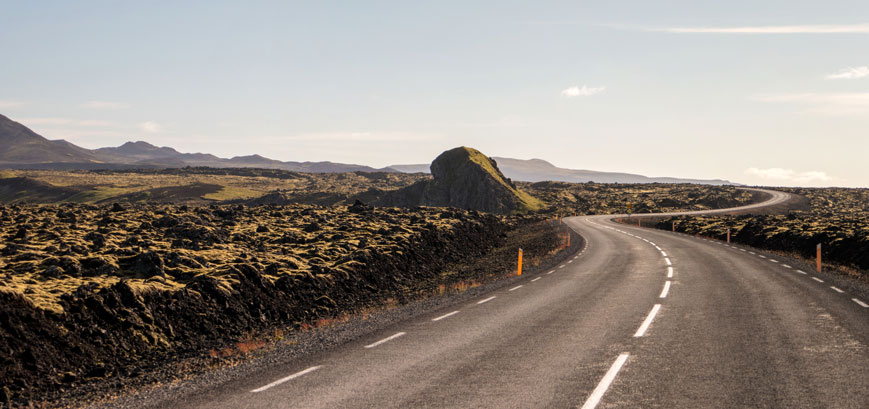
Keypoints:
(464, 178)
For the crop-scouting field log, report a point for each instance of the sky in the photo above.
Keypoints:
(759, 92)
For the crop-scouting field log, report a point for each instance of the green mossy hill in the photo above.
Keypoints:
(465, 178)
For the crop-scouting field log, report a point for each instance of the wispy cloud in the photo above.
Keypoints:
(78, 135)
(584, 91)
(850, 73)
(64, 121)
(357, 136)
(6, 103)
(792, 29)
(824, 103)
(151, 127)
(789, 175)
(104, 105)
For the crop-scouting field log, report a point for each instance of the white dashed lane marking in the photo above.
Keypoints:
(486, 300)
(837, 290)
(665, 290)
(605, 383)
(445, 315)
(860, 303)
(288, 378)
(817, 279)
(385, 340)
(648, 321)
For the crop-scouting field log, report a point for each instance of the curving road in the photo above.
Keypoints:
(639, 318)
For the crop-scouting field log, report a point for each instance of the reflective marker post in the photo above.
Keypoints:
(519, 273)
(819, 257)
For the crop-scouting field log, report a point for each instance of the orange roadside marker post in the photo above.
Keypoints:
(674, 226)
(519, 273)
(819, 257)
(728, 236)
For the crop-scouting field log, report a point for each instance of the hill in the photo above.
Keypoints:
(465, 178)
(19, 144)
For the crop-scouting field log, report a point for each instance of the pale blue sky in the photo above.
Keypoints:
(761, 92)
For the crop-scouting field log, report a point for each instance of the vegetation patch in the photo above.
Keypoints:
(90, 293)
(836, 218)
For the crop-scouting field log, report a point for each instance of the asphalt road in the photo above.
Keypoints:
(640, 318)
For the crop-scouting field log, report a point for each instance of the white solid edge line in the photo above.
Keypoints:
(667, 260)
(836, 289)
(648, 321)
(536, 279)
(384, 340)
(604, 384)
(486, 300)
(669, 272)
(861, 303)
(515, 288)
(665, 290)
(289, 378)
(817, 279)
(445, 315)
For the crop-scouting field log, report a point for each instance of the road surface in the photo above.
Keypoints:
(639, 318)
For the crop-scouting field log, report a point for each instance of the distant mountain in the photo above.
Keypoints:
(20, 147)
(538, 170)
(410, 168)
(18, 144)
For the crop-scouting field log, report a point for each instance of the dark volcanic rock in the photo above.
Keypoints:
(467, 179)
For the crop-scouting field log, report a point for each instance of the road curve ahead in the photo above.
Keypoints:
(639, 318)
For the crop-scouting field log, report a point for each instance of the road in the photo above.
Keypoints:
(639, 318)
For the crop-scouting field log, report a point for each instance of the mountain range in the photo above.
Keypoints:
(21, 148)
(538, 170)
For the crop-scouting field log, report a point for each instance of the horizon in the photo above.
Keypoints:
(757, 97)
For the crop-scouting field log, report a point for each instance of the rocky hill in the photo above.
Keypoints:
(465, 178)
(18, 144)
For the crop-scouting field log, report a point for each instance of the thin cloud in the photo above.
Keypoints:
(789, 175)
(850, 73)
(794, 29)
(104, 105)
(359, 136)
(824, 103)
(151, 127)
(584, 91)
(6, 103)
(64, 121)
